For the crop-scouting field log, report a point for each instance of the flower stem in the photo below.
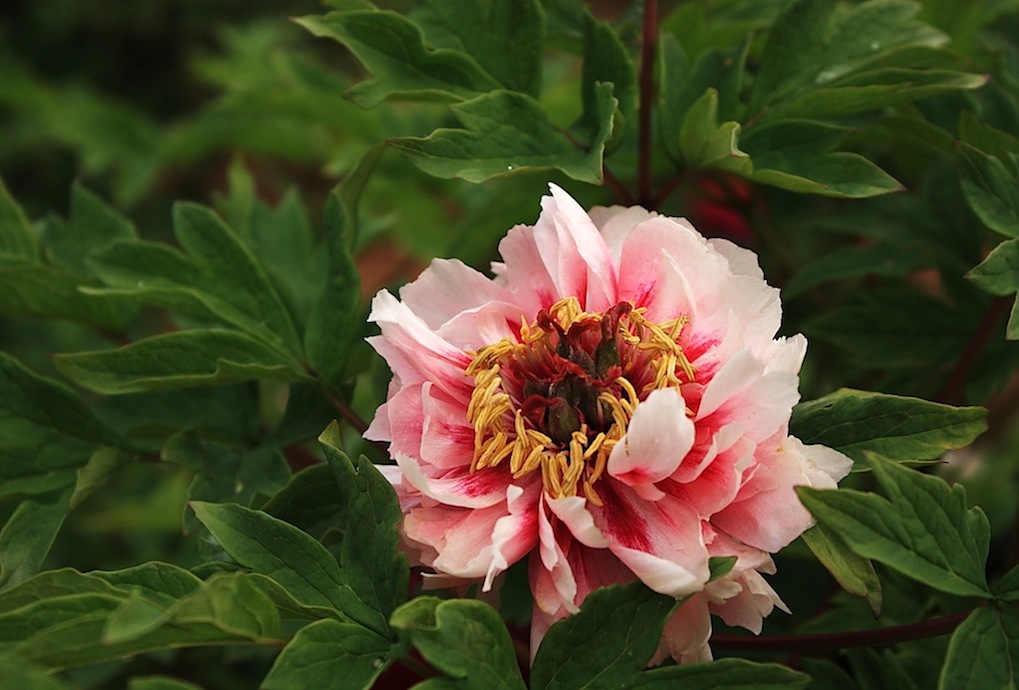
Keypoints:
(647, 92)
(953, 387)
(827, 642)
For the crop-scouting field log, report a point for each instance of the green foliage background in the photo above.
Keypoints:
(199, 197)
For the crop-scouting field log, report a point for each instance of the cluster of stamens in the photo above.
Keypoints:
(562, 396)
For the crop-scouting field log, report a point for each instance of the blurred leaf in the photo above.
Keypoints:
(373, 567)
(333, 321)
(873, 259)
(1007, 588)
(605, 61)
(896, 327)
(706, 144)
(160, 683)
(49, 403)
(287, 605)
(160, 583)
(55, 584)
(464, 639)
(226, 473)
(311, 501)
(896, 428)
(854, 573)
(14, 675)
(329, 655)
(506, 132)
(605, 645)
(923, 529)
(27, 536)
(180, 359)
(392, 48)
(505, 37)
(35, 289)
(983, 652)
(813, 42)
(93, 474)
(724, 674)
(992, 188)
(16, 237)
(92, 224)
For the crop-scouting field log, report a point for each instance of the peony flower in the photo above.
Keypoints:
(613, 405)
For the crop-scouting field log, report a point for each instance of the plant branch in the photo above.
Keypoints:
(954, 386)
(352, 418)
(617, 187)
(647, 93)
(827, 642)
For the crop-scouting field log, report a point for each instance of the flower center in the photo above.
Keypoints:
(561, 397)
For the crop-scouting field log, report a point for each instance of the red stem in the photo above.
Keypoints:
(647, 93)
(953, 387)
(827, 642)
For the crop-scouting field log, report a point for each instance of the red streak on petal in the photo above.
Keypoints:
(620, 521)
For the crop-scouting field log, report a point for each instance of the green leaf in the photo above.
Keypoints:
(231, 604)
(464, 639)
(160, 683)
(160, 583)
(998, 274)
(182, 359)
(332, 323)
(799, 155)
(280, 551)
(854, 573)
(27, 536)
(16, 237)
(923, 529)
(311, 501)
(897, 428)
(505, 132)
(983, 652)
(48, 403)
(845, 262)
(372, 565)
(392, 48)
(607, 643)
(706, 144)
(1007, 588)
(92, 224)
(14, 675)
(232, 273)
(38, 616)
(991, 188)
(218, 278)
(34, 289)
(226, 473)
(54, 584)
(94, 474)
(813, 42)
(329, 655)
(724, 674)
(505, 37)
(606, 61)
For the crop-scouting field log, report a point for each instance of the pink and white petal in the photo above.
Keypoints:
(515, 535)
(616, 223)
(660, 542)
(414, 351)
(742, 262)
(687, 633)
(572, 511)
(459, 488)
(448, 287)
(406, 420)
(752, 605)
(658, 438)
(447, 439)
(552, 582)
(475, 328)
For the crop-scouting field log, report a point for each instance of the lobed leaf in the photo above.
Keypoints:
(374, 570)
(181, 359)
(392, 48)
(854, 573)
(505, 132)
(607, 643)
(897, 428)
(991, 188)
(330, 655)
(983, 651)
(27, 536)
(923, 529)
(464, 639)
(16, 237)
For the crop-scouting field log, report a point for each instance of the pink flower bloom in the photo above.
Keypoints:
(613, 405)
